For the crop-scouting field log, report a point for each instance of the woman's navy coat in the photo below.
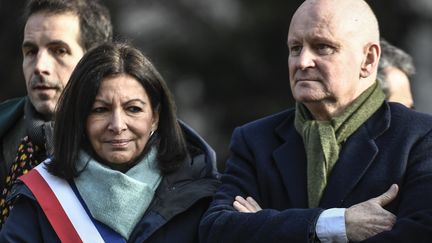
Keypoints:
(173, 216)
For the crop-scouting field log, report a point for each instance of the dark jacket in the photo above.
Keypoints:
(173, 216)
(268, 162)
(11, 111)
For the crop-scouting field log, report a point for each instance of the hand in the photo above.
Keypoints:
(369, 218)
(248, 205)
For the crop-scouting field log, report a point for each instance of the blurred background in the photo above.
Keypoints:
(225, 60)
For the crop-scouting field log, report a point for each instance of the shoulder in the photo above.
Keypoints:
(401, 112)
(395, 122)
(12, 104)
(20, 191)
(266, 129)
(28, 215)
(269, 122)
(405, 118)
(201, 161)
(10, 111)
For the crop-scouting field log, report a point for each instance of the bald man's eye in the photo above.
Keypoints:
(324, 49)
(295, 50)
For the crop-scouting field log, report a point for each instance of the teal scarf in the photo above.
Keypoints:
(119, 200)
(323, 139)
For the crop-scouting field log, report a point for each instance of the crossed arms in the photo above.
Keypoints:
(397, 214)
(362, 220)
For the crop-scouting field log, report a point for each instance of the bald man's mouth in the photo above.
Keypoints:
(307, 79)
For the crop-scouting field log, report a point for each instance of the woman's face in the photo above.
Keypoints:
(121, 120)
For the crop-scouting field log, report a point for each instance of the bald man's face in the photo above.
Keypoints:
(325, 58)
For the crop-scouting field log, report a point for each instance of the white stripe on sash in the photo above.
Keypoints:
(71, 206)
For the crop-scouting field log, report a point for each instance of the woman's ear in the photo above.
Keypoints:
(154, 126)
(371, 58)
(155, 120)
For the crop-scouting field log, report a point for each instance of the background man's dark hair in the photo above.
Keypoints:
(94, 18)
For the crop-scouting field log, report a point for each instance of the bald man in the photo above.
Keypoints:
(344, 164)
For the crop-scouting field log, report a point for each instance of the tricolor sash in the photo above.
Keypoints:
(61, 206)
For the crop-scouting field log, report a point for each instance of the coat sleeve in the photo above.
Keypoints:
(222, 223)
(414, 213)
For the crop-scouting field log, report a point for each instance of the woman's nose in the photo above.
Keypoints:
(117, 123)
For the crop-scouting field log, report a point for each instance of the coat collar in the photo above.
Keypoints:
(290, 158)
(355, 158)
(195, 180)
(11, 111)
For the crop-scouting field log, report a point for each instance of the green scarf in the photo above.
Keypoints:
(119, 200)
(323, 139)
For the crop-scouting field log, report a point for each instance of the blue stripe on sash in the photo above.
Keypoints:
(108, 234)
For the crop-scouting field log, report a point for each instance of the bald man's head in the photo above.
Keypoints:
(353, 16)
(334, 52)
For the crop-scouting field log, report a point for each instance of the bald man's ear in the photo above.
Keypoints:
(371, 58)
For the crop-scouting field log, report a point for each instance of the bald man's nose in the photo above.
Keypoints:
(305, 59)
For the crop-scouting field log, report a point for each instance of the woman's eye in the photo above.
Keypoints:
(134, 109)
(99, 110)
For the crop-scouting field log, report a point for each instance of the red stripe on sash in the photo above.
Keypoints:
(51, 207)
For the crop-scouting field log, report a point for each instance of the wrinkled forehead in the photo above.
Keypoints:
(43, 29)
(345, 17)
(313, 21)
(321, 13)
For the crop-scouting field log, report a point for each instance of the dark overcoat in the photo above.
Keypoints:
(173, 215)
(268, 162)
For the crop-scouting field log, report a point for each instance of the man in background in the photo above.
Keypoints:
(395, 69)
(57, 33)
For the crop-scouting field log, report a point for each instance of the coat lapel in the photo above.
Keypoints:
(356, 156)
(290, 159)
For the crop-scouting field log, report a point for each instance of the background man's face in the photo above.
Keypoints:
(51, 51)
(399, 87)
